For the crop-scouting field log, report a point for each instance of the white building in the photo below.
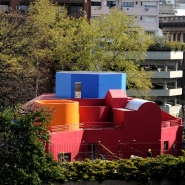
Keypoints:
(164, 66)
(146, 12)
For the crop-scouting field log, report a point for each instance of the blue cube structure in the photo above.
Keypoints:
(93, 84)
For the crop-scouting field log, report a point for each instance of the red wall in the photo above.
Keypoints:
(116, 98)
(135, 127)
(144, 124)
(172, 135)
(118, 116)
(94, 113)
(68, 142)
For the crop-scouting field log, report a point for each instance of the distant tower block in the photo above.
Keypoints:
(92, 84)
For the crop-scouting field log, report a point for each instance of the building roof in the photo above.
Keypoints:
(135, 104)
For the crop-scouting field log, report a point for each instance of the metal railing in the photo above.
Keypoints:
(118, 151)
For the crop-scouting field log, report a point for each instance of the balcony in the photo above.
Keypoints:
(173, 110)
(157, 92)
(98, 10)
(167, 74)
(175, 20)
(164, 55)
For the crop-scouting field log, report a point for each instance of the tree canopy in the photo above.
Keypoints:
(45, 38)
(112, 42)
(20, 53)
(23, 159)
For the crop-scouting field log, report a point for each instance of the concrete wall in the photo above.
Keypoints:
(171, 110)
(157, 92)
(139, 9)
(118, 182)
(164, 55)
(167, 74)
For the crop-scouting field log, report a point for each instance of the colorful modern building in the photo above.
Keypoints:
(105, 123)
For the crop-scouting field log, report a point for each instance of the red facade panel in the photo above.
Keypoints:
(94, 113)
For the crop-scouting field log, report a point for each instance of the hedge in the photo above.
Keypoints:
(136, 169)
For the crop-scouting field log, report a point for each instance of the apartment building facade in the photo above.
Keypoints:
(75, 8)
(166, 90)
(146, 12)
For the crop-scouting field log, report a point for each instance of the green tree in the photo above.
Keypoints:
(20, 51)
(112, 42)
(23, 135)
(47, 38)
(162, 43)
(121, 45)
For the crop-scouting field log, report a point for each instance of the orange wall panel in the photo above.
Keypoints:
(65, 112)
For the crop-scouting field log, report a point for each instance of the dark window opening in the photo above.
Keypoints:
(75, 9)
(141, 3)
(165, 145)
(95, 3)
(64, 157)
(111, 3)
(78, 89)
(127, 4)
(95, 151)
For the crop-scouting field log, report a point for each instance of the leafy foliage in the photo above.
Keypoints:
(23, 159)
(21, 58)
(162, 43)
(46, 38)
(137, 169)
(112, 42)
(23, 135)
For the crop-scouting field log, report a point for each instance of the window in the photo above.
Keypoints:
(64, 157)
(150, 32)
(150, 19)
(75, 9)
(127, 4)
(165, 145)
(4, 7)
(24, 7)
(95, 3)
(111, 3)
(78, 88)
(94, 17)
(150, 5)
(95, 151)
(141, 3)
(136, 2)
(141, 18)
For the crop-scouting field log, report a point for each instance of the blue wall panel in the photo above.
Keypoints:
(123, 85)
(89, 84)
(93, 84)
(110, 81)
(63, 85)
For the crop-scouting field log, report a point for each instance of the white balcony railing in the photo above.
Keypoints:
(173, 110)
(167, 74)
(157, 92)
